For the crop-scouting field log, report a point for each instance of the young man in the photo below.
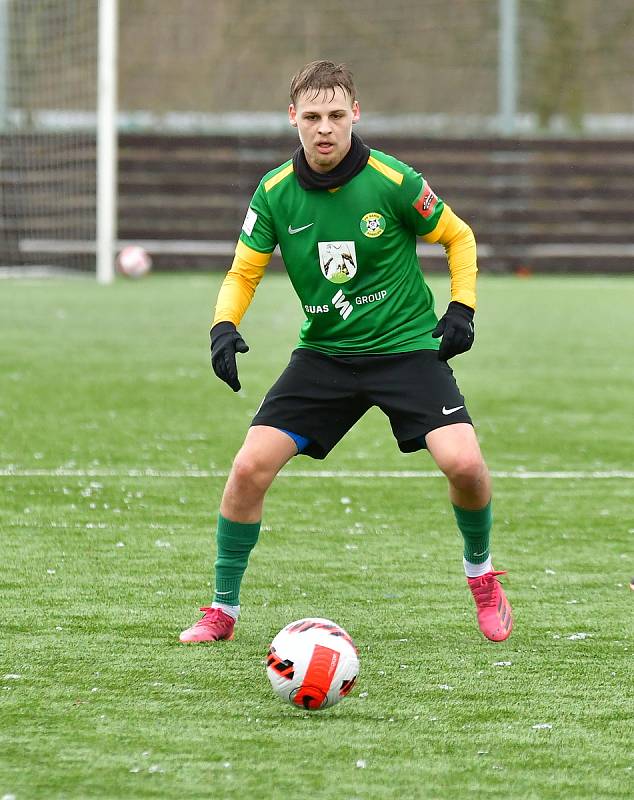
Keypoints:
(346, 220)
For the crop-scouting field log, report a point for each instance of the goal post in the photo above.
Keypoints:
(4, 61)
(58, 136)
(107, 141)
(507, 65)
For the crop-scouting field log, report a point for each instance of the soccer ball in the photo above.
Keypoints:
(312, 663)
(134, 262)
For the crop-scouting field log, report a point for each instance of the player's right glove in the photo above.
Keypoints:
(225, 343)
(456, 329)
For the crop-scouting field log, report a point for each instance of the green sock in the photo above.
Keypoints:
(234, 542)
(475, 527)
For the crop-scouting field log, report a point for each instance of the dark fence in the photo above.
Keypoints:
(545, 205)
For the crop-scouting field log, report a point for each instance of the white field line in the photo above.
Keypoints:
(63, 472)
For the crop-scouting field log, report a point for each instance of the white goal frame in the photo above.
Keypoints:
(107, 141)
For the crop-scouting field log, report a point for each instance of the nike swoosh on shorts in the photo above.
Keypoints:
(447, 411)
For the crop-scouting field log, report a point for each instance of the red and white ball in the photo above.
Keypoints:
(134, 262)
(312, 663)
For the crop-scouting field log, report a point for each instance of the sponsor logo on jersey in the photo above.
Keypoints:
(426, 201)
(372, 224)
(338, 261)
(370, 298)
(249, 221)
(343, 305)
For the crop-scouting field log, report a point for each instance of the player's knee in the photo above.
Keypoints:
(250, 472)
(466, 469)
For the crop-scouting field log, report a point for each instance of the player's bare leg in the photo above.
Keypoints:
(261, 457)
(456, 450)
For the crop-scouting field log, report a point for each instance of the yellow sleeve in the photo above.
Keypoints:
(459, 242)
(240, 283)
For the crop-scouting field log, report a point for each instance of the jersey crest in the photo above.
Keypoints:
(372, 224)
(338, 261)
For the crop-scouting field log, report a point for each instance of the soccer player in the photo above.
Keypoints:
(346, 220)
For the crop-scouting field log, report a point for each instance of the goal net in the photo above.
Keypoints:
(48, 102)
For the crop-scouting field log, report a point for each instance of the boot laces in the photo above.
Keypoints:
(212, 616)
(485, 591)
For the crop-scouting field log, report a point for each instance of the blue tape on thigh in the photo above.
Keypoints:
(302, 442)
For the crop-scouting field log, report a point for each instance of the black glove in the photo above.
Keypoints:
(456, 329)
(225, 343)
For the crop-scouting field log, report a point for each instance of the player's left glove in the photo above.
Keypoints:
(456, 329)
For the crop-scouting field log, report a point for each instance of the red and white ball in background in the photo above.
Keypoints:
(312, 663)
(133, 261)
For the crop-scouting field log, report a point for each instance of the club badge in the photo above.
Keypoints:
(372, 225)
(338, 261)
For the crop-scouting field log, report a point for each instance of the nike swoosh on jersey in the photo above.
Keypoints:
(447, 411)
(292, 230)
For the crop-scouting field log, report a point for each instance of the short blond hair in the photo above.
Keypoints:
(322, 76)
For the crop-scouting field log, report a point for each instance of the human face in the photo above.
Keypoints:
(324, 124)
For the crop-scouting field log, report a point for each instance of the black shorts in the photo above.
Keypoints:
(321, 397)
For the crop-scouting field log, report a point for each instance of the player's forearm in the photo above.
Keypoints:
(239, 285)
(234, 298)
(461, 255)
(460, 246)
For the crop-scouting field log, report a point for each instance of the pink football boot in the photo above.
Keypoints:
(494, 610)
(213, 626)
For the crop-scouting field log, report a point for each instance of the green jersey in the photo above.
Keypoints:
(350, 254)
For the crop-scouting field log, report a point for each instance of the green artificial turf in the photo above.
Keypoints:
(114, 442)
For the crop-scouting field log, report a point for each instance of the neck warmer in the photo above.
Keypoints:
(350, 165)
